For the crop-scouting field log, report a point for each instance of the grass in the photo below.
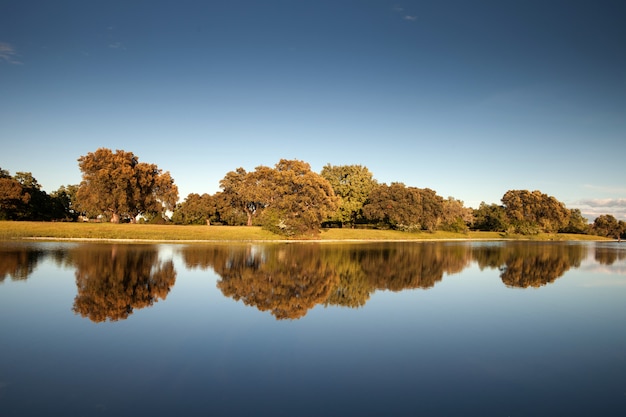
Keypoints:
(147, 232)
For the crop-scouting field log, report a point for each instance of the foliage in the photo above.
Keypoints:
(404, 208)
(118, 186)
(607, 225)
(576, 224)
(490, 217)
(21, 198)
(196, 209)
(289, 199)
(455, 217)
(352, 184)
(299, 200)
(534, 212)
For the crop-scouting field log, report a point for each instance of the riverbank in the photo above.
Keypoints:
(173, 233)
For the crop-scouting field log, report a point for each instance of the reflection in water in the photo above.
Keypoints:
(289, 279)
(114, 280)
(530, 265)
(18, 261)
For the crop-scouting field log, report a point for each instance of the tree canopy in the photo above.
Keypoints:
(352, 184)
(118, 186)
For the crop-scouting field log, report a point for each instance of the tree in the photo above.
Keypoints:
(247, 191)
(298, 199)
(288, 199)
(534, 212)
(456, 217)
(13, 197)
(404, 208)
(490, 217)
(608, 226)
(577, 223)
(352, 184)
(196, 209)
(118, 186)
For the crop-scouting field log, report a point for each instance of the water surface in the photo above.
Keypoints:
(486, 329)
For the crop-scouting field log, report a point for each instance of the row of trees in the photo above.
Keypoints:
(288, 199)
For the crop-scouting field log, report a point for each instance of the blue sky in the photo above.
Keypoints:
(469, 98)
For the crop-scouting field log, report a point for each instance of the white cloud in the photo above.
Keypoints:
(591, 208)
(604, 202)
(8, 54)
(116, 45)
(410, 18)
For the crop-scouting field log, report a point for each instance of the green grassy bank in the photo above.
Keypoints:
(146, 232)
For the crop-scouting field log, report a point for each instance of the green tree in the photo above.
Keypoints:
(490, 217)
(352, 184)
(577, 223)
(119, 186)
(196, 209)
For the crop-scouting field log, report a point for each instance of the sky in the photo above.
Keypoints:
(468, 98)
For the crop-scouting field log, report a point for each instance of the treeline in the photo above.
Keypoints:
(289, 199)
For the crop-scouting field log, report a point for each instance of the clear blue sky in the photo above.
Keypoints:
(469, 98)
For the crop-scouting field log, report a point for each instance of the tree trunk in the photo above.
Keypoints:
(249, 218)
(115, 218)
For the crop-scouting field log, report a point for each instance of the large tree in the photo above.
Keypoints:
(119, 186)
(299, 199)
(404, 208)
(352, 184)
(288, 199)
(533, 212)
(196, 209)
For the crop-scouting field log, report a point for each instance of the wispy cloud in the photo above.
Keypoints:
(116, 45)
(400, 10)
(604, 202)
(410, 18)
(591, 208)
(8, 54)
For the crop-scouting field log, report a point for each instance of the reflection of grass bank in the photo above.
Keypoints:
(22, 230)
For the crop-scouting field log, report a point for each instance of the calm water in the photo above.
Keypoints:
(454, 329)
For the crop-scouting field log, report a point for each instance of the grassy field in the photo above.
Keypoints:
(145, 232)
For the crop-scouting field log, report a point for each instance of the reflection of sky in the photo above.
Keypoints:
(468, 344)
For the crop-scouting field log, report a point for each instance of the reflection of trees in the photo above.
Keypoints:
(608, 256)
(530, 265)
(286, 280)
(410, 265)
(18, 261)
(114, 280)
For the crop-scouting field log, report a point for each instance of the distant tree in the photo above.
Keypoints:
(608, 226)
(352, 184)
(247, 191)
(119, 186)
(196, 209)
(490, 217)
(299, 199)
(13, 197)
(534, 212)
(404, 208)
(577, 223)
(455, 217)
(63, 203)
